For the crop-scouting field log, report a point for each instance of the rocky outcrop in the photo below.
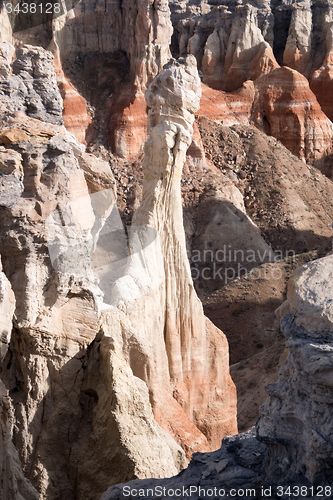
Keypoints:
(230, 108)
(232, 43)
(29, 85)
(11, 175)
(49, 347)
(6, 29)
(322, 79)
(7, 307)
(13, 484)
(69, 389)
(297, 52)
(287, 200)
(295, 421)
(286, 108)
(292, 445)
(74, 107)
(235, 466)
(93, 380)
(248, 56)
(110, 58)
(141, 34)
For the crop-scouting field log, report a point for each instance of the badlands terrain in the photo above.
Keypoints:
(165, 238)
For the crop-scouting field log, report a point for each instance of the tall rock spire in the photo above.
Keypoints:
(187, 369)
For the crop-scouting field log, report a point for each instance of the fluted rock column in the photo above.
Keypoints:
(187, 367)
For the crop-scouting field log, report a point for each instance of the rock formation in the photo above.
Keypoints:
(248, 55)
(321, 80)
(235, 43)
(29, 85)
(189, 385)
(140, 33)
(89, 376)
(292, 445)
(286, 108)
(295, 421)
(104, 338)
(297, 53)
(70, 391)
(111, 56)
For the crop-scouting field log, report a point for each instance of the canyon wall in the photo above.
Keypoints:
(237, 41)
(106, 55)
(69, 390)
(98, 340)
(106, 366)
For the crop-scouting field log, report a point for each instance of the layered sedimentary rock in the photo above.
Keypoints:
(141, 33)
(29, 85)
(99, 355)
(297, 52)
(292, 445)
(230, 108)
(295, 421)
(13, 484)
(248, 55)
(286, 108)
(322, 79)
(235, 43)
(75, 401)
(232, 43)
(190, 386)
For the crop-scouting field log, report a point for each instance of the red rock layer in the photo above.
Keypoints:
(128, 126)
(75, 114)
(322, 81)
(287, 109)
(228, 107)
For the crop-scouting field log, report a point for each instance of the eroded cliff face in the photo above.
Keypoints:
(104, 365)
(71, 392)
(287, 109)
(136, 36)
(192, 383)
(100, 40)
(106, 55)
(240, 41)
(100, 363)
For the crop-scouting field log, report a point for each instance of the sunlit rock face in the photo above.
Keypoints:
(186, 368)
(78, 416)
(287, 109)
(112, 370)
